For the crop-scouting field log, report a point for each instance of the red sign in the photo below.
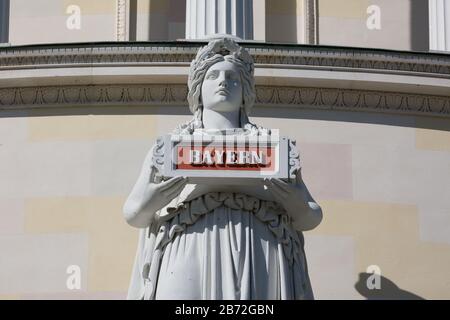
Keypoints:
(221, 158)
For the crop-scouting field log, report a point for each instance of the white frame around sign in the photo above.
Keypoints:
(286, 158)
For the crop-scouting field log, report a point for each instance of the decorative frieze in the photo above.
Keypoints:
(175, 94)
(50, 57)
(329, 58)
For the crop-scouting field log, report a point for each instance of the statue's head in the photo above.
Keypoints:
(222, 59)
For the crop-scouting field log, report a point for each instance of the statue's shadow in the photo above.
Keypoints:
(388, 290)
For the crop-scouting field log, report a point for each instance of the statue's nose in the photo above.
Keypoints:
(223, 84)
(222, 80)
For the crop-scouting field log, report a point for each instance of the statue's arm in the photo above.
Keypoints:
(147, 197)
(306, 214)
(309, 214)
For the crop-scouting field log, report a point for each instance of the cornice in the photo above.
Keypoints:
(175, 94)
(401, 91)
(98, 54)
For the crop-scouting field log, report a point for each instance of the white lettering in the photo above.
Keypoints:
(244, 157)
(195, 157)
(257, 159)
(374, 19)
(231, 157)
(207, 157)
(219, 156)
(241, 157)
(73, 22)
(73, 282)
(192, 310)
(374, 281)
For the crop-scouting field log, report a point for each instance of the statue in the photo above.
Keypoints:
(203, 241)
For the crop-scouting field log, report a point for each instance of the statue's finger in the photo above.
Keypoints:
(174, 192)
(279, 196)
(277, 190)
(283, 185)
(169, 183)
(178, 184)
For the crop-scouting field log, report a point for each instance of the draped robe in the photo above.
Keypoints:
(220, 245)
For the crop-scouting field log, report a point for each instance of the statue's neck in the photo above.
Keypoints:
(220, 120)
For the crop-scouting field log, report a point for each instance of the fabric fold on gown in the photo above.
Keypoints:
(221, 245)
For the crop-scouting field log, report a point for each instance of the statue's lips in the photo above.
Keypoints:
(223, 92)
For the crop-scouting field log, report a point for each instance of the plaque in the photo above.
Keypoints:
(226, 159)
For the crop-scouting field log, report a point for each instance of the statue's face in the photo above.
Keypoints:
(222, 88)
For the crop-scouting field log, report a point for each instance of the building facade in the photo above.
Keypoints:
(362, 85)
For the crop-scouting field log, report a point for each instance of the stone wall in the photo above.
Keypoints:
(382, 181)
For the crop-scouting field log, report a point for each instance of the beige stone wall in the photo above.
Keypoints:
(382, 181)
(403, 24)
(45, 21)
(282, 21)
(160, 19)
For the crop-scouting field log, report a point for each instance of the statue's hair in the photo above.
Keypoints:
(224, 49)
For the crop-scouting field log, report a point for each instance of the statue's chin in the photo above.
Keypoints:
(223, 106)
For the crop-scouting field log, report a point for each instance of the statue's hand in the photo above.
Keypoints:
(295, 198)
(158, 195)
(291, 196)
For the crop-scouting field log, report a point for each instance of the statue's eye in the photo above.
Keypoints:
(212, 75)
(235, 80)
(233, 77)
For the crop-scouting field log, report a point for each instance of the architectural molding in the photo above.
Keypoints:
(122, 12)
(311, 28)
(439, 17)
(206, 18)
(175, 94)
(331, 58)
(335, 78)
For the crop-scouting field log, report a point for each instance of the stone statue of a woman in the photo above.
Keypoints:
(213, 241)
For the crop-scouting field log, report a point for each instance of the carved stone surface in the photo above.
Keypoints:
(158, 158)
(168, 94)
(193, 213)
(206, 18)
(294, 159)
(48, 57)
(142, 53)
(277, 158)
(121, 20)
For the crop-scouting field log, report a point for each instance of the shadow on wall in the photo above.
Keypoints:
(164, 16)
(281, 21)
(419, 26)
(388, 290)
